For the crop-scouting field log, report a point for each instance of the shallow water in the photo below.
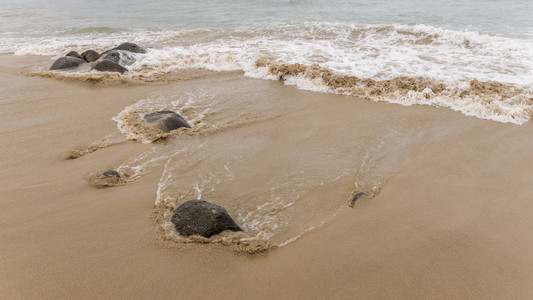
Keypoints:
(266, 179)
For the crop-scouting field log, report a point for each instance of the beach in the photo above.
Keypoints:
(366, 150)
(447, 214)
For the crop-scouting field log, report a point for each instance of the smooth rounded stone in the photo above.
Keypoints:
(130, 47)
(120, 57)
(111, 173)
(199, 217)
(67, 62)
(74, 54)
(108, 66)
(90, 55)
(167, 120)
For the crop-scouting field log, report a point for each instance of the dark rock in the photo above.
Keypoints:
(74, 54)
(90, 55)
(130, 47)
(198, 217)
(167, 120)
(107, 179)
(66, 62)
(161, 114)
(120, 57)
(111, 173)
(158, 115)
(111, 56)
(174, 122)
(108, 66)
(357, 196)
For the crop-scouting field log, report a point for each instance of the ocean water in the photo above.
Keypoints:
(445, 42)
(507, 17)
(475, 57)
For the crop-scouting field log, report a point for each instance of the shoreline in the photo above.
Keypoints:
(450, 220)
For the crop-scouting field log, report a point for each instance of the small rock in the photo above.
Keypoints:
(108, 66)
(90, 55)
(106, 179)
(111, 173)
(74, 54)
(167, 120)
(67, 62)
(130, 47)
(199, 217)
(120, 57)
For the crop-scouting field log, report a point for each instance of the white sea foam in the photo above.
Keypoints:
(379, 52)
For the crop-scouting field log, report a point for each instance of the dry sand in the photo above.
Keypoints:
(452, 219)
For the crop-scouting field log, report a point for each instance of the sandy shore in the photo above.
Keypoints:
(452, 219)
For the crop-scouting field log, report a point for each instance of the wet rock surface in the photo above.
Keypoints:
(67, 63)
(120, 57)
(199, 217)
(108, 66)
(166, 120)
(74, 54)
(90, 55)
(131, 47)
(111, 173)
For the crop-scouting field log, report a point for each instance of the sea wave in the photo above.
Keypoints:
(487, 100)
(461, 65)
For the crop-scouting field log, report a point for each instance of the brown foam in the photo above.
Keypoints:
(370, 88)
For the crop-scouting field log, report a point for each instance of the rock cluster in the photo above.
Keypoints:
(112, 60)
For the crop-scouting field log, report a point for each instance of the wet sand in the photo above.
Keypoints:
(452, 218)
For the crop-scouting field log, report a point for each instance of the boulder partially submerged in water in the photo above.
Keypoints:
(166, 120)
(67, 63)
(199, 217)
(74, 54)
(90, 55)
(131, 47)
(120, 57)
(115, 59)
(108, 66)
